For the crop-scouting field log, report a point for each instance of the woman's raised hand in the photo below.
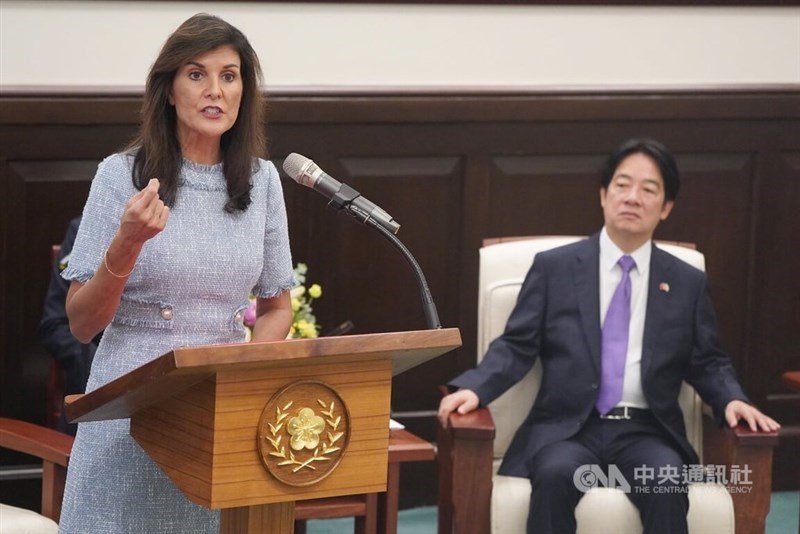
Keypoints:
(145, 214)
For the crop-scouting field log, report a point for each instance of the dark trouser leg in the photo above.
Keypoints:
(554, 495)
(653, 468)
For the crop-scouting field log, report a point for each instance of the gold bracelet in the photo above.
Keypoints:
(112, 273)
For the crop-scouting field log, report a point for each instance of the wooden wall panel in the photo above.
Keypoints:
(772, 335)
(772, 341)
(532, 194)
(453, 167)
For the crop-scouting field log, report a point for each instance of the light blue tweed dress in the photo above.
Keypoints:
(190, 286)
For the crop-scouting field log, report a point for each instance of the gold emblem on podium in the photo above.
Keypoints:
(303, 433)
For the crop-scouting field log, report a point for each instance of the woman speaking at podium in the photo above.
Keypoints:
(178, 230)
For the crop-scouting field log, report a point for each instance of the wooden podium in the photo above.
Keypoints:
(252, 428)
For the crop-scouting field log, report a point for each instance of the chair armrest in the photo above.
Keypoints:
(744, 437)
(54, 448)
(464, 449)
(751, 452)
(476, 425)
(45, 443)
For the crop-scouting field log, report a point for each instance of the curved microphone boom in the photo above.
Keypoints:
(306, 172)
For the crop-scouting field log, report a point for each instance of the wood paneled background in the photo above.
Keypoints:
(452, 168)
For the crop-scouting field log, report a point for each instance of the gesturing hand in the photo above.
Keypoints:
(145, 214)
(91, 306)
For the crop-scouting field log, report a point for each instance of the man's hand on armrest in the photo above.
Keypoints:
(736, 411)
(462, 401)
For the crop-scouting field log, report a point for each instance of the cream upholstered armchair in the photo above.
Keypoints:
(53, 449)
(474, 499)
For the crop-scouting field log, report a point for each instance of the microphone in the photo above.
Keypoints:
(305, 172)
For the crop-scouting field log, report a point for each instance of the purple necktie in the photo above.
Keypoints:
(615, 341)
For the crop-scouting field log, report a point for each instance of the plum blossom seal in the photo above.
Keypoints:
(303, 432)
(305, 429)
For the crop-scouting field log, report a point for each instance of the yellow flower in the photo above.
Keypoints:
(304, 323)
(304, 328)
(308, 330)
(305, 429)
(315, 291)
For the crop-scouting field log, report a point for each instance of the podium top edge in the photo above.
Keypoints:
(389, 343)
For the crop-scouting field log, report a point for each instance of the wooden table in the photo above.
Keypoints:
(791, 379)
(374, 512)
(403, 447)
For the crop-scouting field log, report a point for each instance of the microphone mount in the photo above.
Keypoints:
(342, 197)
(343, 200)
(428, 306)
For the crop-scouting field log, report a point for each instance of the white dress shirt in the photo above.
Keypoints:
(610, 276)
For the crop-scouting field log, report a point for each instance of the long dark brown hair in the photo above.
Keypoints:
(156, 146)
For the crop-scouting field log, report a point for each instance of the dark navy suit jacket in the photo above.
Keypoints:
(557, 320)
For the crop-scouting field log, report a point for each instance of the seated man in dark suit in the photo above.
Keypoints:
(74, 357)
(618, 325)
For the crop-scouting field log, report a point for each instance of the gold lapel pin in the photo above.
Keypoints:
(663, 286)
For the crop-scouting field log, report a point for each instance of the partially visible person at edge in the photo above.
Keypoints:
(594, 408)
(178, 230)
(74, 358)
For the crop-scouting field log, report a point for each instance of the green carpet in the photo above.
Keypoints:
(783, 518)
(784, 513)
(412, 521)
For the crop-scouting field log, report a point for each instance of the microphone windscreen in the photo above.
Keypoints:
(293, 165)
